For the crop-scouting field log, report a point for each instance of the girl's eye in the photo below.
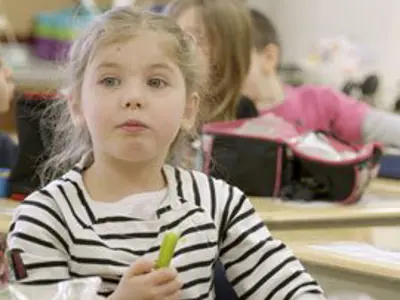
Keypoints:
(156, 83)
(110, 82)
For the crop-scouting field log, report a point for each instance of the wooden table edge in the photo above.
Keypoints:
(348, 263)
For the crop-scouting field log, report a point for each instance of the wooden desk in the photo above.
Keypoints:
(385, 186)
(379, 206)
(371, 211)
(6, 210)
(349, 270)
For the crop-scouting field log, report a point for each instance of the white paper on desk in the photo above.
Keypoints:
(361, 251)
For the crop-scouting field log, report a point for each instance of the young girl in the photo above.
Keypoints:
(134, 78)
(222, 28)
(309, 107)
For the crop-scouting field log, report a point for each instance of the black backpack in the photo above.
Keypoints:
(286, 164)
(24, 178)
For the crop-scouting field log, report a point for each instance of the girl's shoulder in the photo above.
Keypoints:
(199, 182)
(208, 192)
(57, 190)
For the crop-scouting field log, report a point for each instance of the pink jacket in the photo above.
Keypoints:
(319, 108)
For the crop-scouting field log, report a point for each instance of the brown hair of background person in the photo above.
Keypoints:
(223, 29)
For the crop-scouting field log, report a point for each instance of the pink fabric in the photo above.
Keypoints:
(321, 108)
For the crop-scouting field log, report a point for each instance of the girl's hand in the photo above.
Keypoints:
(142, 282)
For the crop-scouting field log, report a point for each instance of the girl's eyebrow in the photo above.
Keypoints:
(163, 66)
(151, 66)
(108, 65)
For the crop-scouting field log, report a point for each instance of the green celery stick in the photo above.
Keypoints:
(167, 250)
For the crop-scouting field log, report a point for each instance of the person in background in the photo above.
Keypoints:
(8, 149)
(222, 29)
(117, 127)
(309, 107)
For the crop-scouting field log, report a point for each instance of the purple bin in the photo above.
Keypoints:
(51, 49)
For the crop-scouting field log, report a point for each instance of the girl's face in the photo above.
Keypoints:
(133, 100)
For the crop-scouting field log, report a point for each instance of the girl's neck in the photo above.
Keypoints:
(109, 179)
(272, 93)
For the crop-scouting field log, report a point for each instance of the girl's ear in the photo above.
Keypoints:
(75, 109)
(190, 113)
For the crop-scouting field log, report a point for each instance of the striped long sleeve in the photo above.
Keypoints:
(40, 234)
(257, 265)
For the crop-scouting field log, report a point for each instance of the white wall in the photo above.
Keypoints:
(373, 23)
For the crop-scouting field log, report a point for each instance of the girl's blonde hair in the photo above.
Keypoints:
(69, 143)
(228, 29)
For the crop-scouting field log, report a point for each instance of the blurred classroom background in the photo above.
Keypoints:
(353, 251)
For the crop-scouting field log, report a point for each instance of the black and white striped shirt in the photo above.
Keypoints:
(62, 237)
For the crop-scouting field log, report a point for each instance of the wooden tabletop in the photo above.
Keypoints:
(385, 186)
(380, 206)
(371, 251)
(7, 208)
(372, 210)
